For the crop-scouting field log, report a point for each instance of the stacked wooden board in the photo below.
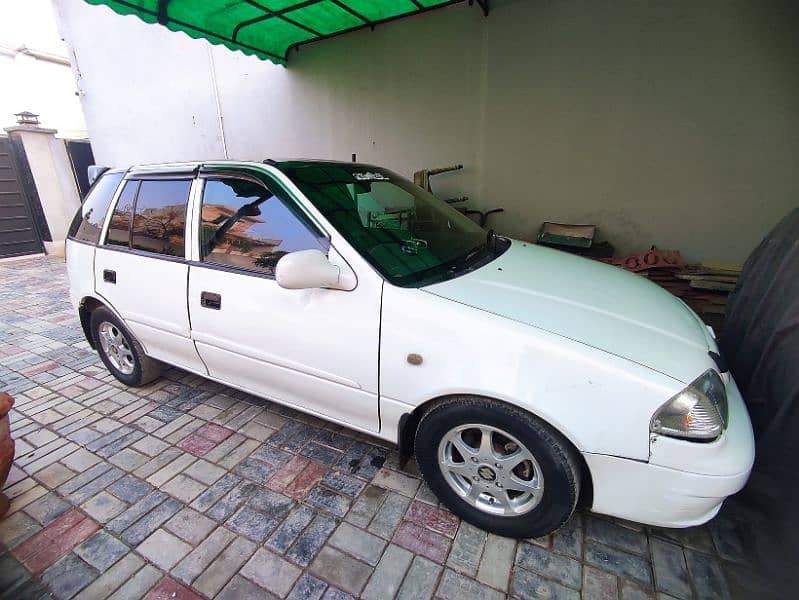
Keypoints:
(704, 287)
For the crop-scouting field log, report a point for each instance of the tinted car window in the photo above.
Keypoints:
(89, 219)
(159, 220)
(119, 228)
(246, 225)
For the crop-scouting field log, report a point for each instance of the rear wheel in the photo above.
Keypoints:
(120, 351)
(498, 467)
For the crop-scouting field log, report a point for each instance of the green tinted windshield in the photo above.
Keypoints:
(410, 236)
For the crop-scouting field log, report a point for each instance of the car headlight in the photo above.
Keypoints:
(699, 412)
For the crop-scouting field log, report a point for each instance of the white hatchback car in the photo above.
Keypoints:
(523, 379)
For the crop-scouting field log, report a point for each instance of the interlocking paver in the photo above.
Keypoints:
(68, 576)
(496, 561)
(163, 549)
(205, 479)
(467, 548)
(341, 570)
(101, 550)
(229, 561)
(388, 575)
(555, 566)
(420, 581)
(103, 507)
(190, 526)
(619, 562)
(310, 542)
(358, 543)
(420, 540)
(271, 572)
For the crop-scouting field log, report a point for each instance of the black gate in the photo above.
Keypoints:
(81, 157)
(18, 233)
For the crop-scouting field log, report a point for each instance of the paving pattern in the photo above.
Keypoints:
(188, 489)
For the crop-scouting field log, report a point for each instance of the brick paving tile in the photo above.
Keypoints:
(529, 586)
(467, 549)
(122, 492)
(169, 589)
(341, 570)
(358, 543)
(229, 561)
(422, 541)
(101, 550)
(618, 562)
(163, 549)
(51, 543)
(388, 575)
(310, 541)
(563, 569)
(271, 572)
(240, 588)
(420, 581)
(68, 576)
(437, 519)
(599, 585)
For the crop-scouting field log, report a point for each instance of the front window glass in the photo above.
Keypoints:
(410, 236)
(89, 220)
(159, 223)
(248, 226)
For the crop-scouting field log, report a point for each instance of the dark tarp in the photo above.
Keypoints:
(760, 342)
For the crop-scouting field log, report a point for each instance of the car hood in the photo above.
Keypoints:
(593, 303)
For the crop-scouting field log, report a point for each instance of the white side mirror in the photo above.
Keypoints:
(309, 269)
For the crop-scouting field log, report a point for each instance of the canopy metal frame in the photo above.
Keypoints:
(162, 16)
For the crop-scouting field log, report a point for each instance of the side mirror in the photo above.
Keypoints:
(310, 269)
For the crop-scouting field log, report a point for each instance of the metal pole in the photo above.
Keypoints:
(218, 104)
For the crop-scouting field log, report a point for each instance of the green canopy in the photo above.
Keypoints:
(269, 29)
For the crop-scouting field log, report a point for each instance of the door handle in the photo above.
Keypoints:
(211, 300)
(109, 276)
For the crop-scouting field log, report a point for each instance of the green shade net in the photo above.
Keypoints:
(268, 29)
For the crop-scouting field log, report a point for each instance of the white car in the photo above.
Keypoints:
(523, 379)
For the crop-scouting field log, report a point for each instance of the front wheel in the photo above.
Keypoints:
(498, 467)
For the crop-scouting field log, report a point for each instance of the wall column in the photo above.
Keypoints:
(47, 176)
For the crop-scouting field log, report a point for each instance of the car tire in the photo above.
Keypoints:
(523, 482)
(120, 351)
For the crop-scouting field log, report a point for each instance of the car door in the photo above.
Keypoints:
(315, 349)
(140, 270)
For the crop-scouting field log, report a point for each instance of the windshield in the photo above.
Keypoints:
(410, 236)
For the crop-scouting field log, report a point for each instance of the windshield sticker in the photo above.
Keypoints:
(369, 176)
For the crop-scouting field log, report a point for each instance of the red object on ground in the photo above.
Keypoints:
(6, 447)
(651, 259)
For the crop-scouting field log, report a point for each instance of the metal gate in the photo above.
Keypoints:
(18, 233)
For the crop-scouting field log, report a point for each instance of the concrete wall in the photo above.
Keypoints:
(673, 123)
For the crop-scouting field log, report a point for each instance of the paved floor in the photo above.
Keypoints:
(189, 489)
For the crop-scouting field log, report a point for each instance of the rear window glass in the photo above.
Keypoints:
(159, 221)
(119, 229)
(88, 222)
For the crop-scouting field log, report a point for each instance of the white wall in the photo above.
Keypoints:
(670, 123)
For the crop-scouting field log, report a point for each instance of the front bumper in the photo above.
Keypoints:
(684, 483)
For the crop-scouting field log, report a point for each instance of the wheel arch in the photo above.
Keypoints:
(86, 307)
(409, 422)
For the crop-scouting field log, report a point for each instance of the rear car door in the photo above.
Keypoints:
(140, 270)
(316, 349)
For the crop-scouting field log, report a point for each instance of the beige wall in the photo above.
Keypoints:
(674, 123)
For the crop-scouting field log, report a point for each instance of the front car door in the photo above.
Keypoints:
(316, 349)
(141, 271)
